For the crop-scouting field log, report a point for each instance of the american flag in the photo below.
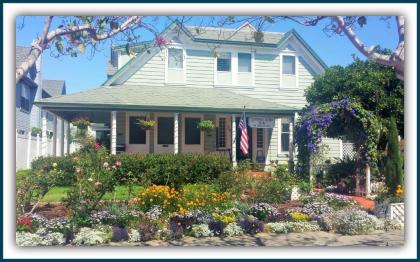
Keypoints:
(244, 134)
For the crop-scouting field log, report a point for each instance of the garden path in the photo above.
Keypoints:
(376, 238)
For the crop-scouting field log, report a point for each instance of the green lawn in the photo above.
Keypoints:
(56, 194)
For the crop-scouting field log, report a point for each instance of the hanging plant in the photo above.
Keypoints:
(36, 131)
(205, 125)
(81, 122)
(146, 124)
(216, 55)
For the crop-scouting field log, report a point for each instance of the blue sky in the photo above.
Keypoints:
(85, 72)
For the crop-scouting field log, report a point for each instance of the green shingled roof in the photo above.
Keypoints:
(180, 99)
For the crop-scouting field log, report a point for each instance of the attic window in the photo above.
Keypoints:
(175, 58)
(289, 65)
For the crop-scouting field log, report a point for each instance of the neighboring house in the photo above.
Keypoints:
(28, 89)
(202, 73)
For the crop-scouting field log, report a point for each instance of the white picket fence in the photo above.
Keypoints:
(393, 211)
(28, 148)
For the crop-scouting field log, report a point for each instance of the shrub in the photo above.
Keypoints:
(201, 230)
(251, 225)
(134, 236)
(262, 211)
(341, 170)
(272, 191)
(90, 237)
(225, 218)
(119, 234)
(348, 222)
(235, 183)
(26, 239)
(393, 162)
(388, 224)
(316, 208)
(147, 230)
(232, 229)
(24, 224)
(173, 170)
(65, 164)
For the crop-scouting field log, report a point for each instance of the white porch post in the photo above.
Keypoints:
(113, 132)
(28, 150)
(234, 140)
(176, 136)
(68, 137)
(62, 137)
(44, 141)
(37, 145)
(54, 149)
(367, 180)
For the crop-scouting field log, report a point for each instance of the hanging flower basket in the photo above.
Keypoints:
(81, 122)
(146, 124)
(205, 125)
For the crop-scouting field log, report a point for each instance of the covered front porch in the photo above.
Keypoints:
(176, 113)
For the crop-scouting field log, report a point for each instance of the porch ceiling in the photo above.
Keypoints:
(161, 99)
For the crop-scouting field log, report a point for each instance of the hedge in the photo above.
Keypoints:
(157, 168)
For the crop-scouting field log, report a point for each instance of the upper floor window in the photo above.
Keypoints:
(224, 62)
(244, 62)
(175, 58)
(25, 98)
(289, 66)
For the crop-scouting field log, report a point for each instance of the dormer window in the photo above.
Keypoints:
(244, 62)
(289, 65)
(224, 62)
(175, 58)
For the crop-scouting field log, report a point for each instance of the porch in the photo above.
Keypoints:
(176, 112)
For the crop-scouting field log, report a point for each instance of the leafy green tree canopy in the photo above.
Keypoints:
(374, 86)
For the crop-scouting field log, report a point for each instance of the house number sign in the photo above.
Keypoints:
(261, 122)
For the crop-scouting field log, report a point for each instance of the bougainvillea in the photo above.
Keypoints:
(338, 118)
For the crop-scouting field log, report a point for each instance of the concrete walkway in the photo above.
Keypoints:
(377, 238)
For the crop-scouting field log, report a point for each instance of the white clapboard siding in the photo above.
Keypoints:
(152, 73)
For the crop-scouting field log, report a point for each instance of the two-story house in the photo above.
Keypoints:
(195, 74)
(29, 89)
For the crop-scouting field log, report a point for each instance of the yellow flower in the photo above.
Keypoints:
(54, 165)
(151, 200)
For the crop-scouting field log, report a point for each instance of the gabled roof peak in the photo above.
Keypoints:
(247, 24)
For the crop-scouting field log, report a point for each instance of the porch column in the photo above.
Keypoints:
(28, 150)
(176, 136)
(113, 132)
(62, 137)
(54, 148)
(44, 141)
(68, 137)
(234, 140)
(367, 180)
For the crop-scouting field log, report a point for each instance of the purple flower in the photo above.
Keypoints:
(345, 102)
(352, 112)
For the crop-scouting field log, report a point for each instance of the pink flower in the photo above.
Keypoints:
(98, 184)
(118, 163)
(97, 146)
(160, 41)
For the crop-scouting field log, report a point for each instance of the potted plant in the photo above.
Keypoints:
(146, 124)
(81, 122)
(205, 125)
(36, 131)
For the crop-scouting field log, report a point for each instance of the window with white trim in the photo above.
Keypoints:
(175, 58)
(289, 65)
(224, 62)
(244, 62)
(25, 98)
(284, 137)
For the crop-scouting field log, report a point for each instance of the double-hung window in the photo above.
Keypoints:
(285, 137)
(289, 65)
(175, 58)
(224, 62)
(244, 62)
(25, 98)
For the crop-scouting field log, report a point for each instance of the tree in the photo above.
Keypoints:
(393, 163)
(372, 85)
(74, 34)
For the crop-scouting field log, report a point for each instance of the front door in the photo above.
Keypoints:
(164, 134)
(239, 155)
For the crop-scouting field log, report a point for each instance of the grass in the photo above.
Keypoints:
(57, 194)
